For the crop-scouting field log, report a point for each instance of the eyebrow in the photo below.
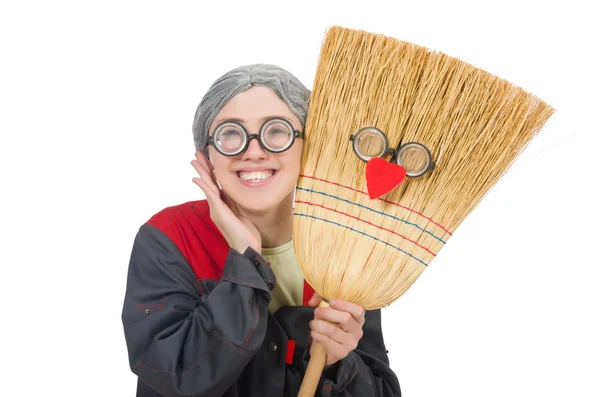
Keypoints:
(241, 121)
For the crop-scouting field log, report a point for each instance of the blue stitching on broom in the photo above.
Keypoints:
(363, 233)
(385, 201)
(370, 209)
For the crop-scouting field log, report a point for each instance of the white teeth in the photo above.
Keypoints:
(255, 176)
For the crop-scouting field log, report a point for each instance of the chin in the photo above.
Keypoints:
(256, 203)
(260, 201)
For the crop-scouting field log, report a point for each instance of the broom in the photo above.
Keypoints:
(368, 220)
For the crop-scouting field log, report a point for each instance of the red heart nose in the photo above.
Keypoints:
(383, 176)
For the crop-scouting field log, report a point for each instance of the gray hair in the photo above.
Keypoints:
(287, 87)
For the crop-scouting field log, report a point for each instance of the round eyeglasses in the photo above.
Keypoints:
(276, 135)
(371, 142)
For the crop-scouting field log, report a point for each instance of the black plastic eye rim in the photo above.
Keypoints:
(430, 163)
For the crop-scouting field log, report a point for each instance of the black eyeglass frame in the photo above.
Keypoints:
(388, 150)
(296, 134)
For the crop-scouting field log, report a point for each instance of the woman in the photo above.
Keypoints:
(215, 303)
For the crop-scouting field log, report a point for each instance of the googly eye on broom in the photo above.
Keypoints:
(411, 159)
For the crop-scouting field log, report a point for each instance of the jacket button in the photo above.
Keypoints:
(147, 311)
(272, 346)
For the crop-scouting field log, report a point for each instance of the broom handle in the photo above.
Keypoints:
(314, 370)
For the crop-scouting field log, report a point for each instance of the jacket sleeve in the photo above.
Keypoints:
(179, 342)
(365, 372)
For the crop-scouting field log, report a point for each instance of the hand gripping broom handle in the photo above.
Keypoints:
(318, 358)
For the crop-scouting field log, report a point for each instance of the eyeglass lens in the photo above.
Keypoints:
(230, 138)
(371, 144)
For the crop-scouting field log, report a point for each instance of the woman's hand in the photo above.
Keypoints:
(341, 340)
(239, 232)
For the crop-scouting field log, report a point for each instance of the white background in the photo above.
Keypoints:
(96, 106)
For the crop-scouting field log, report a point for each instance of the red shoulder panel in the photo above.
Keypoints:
(189, 226)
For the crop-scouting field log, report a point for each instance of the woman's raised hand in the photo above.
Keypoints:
(239, 231)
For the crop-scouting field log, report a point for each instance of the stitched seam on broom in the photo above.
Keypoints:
(363, 233)
(370, 209)
(368, 223)
(385, 201)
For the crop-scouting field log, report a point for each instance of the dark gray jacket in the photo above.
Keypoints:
(197, 322)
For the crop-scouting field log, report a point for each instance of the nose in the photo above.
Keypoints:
(254, 151)
(383, 177)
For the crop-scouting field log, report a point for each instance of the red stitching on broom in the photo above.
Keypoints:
(369, 223)
(385, 201)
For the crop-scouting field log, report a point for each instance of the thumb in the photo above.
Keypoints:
(315, 300)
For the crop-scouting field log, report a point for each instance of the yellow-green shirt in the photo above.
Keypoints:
(289, 279)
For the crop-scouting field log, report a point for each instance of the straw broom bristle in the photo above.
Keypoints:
(474, 123)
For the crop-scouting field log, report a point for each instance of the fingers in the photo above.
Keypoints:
(205, 180)
(230, 203)
(204, 160)
(338, 328)
(207, 188)
(349, 316)
(336, 334)
(202, 164)
(358, 312)
(335, 350)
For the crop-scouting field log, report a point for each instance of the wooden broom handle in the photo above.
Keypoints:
(316, 363)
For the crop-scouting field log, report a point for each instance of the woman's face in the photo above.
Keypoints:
(257, 180)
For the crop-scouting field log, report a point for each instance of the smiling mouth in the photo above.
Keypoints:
(256, 176)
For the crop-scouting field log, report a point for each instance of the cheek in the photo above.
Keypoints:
(221, 165)
(293, 160)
